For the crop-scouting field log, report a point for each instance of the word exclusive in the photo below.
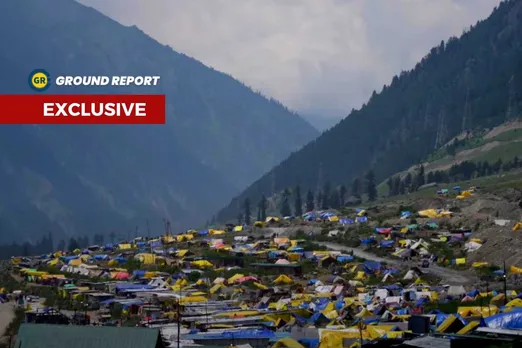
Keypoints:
(82, 109)
(95, 109)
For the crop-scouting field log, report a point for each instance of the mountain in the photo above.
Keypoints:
(84, 179)
(470, 82)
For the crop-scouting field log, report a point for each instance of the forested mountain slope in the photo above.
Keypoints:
(474, 81)
(219, 136)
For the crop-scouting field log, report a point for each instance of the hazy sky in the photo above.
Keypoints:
(319, 57)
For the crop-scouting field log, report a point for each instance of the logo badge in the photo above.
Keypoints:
(39, 80)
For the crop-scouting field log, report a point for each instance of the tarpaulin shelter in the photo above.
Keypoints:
(283, 279)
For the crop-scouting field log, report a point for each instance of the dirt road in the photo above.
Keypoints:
(6, 315)
(449, 276)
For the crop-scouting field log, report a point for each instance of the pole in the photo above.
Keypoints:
(487, 292)
(505, 284)
(179, 315)
(360, 332)
(206, 305)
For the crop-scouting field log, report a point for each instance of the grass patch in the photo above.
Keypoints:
(506, 152)
(510, 135)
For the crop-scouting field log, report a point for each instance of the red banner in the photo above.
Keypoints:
(82, 109)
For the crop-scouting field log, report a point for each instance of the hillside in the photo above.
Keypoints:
(219, 136)
(463, 84)
(501, 145)
(503, 142)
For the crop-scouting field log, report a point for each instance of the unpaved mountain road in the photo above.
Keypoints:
(449, 276)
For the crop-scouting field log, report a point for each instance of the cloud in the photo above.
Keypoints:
(319, 57)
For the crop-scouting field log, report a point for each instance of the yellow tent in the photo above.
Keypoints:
(515, 270)
(430, 213)
(260, 286)
(202, 264)
(333, 218)
(271, 219)
(235, 277)
(193, 299)
(469, 327)
(216, 288)
(514, 303)
(215, 232)
(475, 311)
(148, 259)
(360, 275)
(460, 261)
(517, 226)
(283, 279)
(75, 262)
(464, 194)
(287, 342)
(479, 264)
(238, 228)
(125, 246)
(53, 262)
(167, 238)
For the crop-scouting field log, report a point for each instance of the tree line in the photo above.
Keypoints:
(291, 202)
(46, 245)
(328, 197)
(466, 170)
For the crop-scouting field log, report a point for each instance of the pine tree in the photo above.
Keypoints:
(335, 200)
(408, 181)
(371, 190)
(285, 204)
(342, 195)
(486, 169)
(397, 185)
(421, 180)
(246, 211)
(389, 183)
(430, 177)
(356, 188)
(262, 205)
(298, 202)
(325, 204)
(61, 245)
(319, 199)
(402, 187)
(26, 249)
(310, 206)
(50, 242)
(239, 219)
(73, 244)
(112, 237)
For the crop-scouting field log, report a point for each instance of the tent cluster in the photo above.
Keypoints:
(459, 193)
(333, 302)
